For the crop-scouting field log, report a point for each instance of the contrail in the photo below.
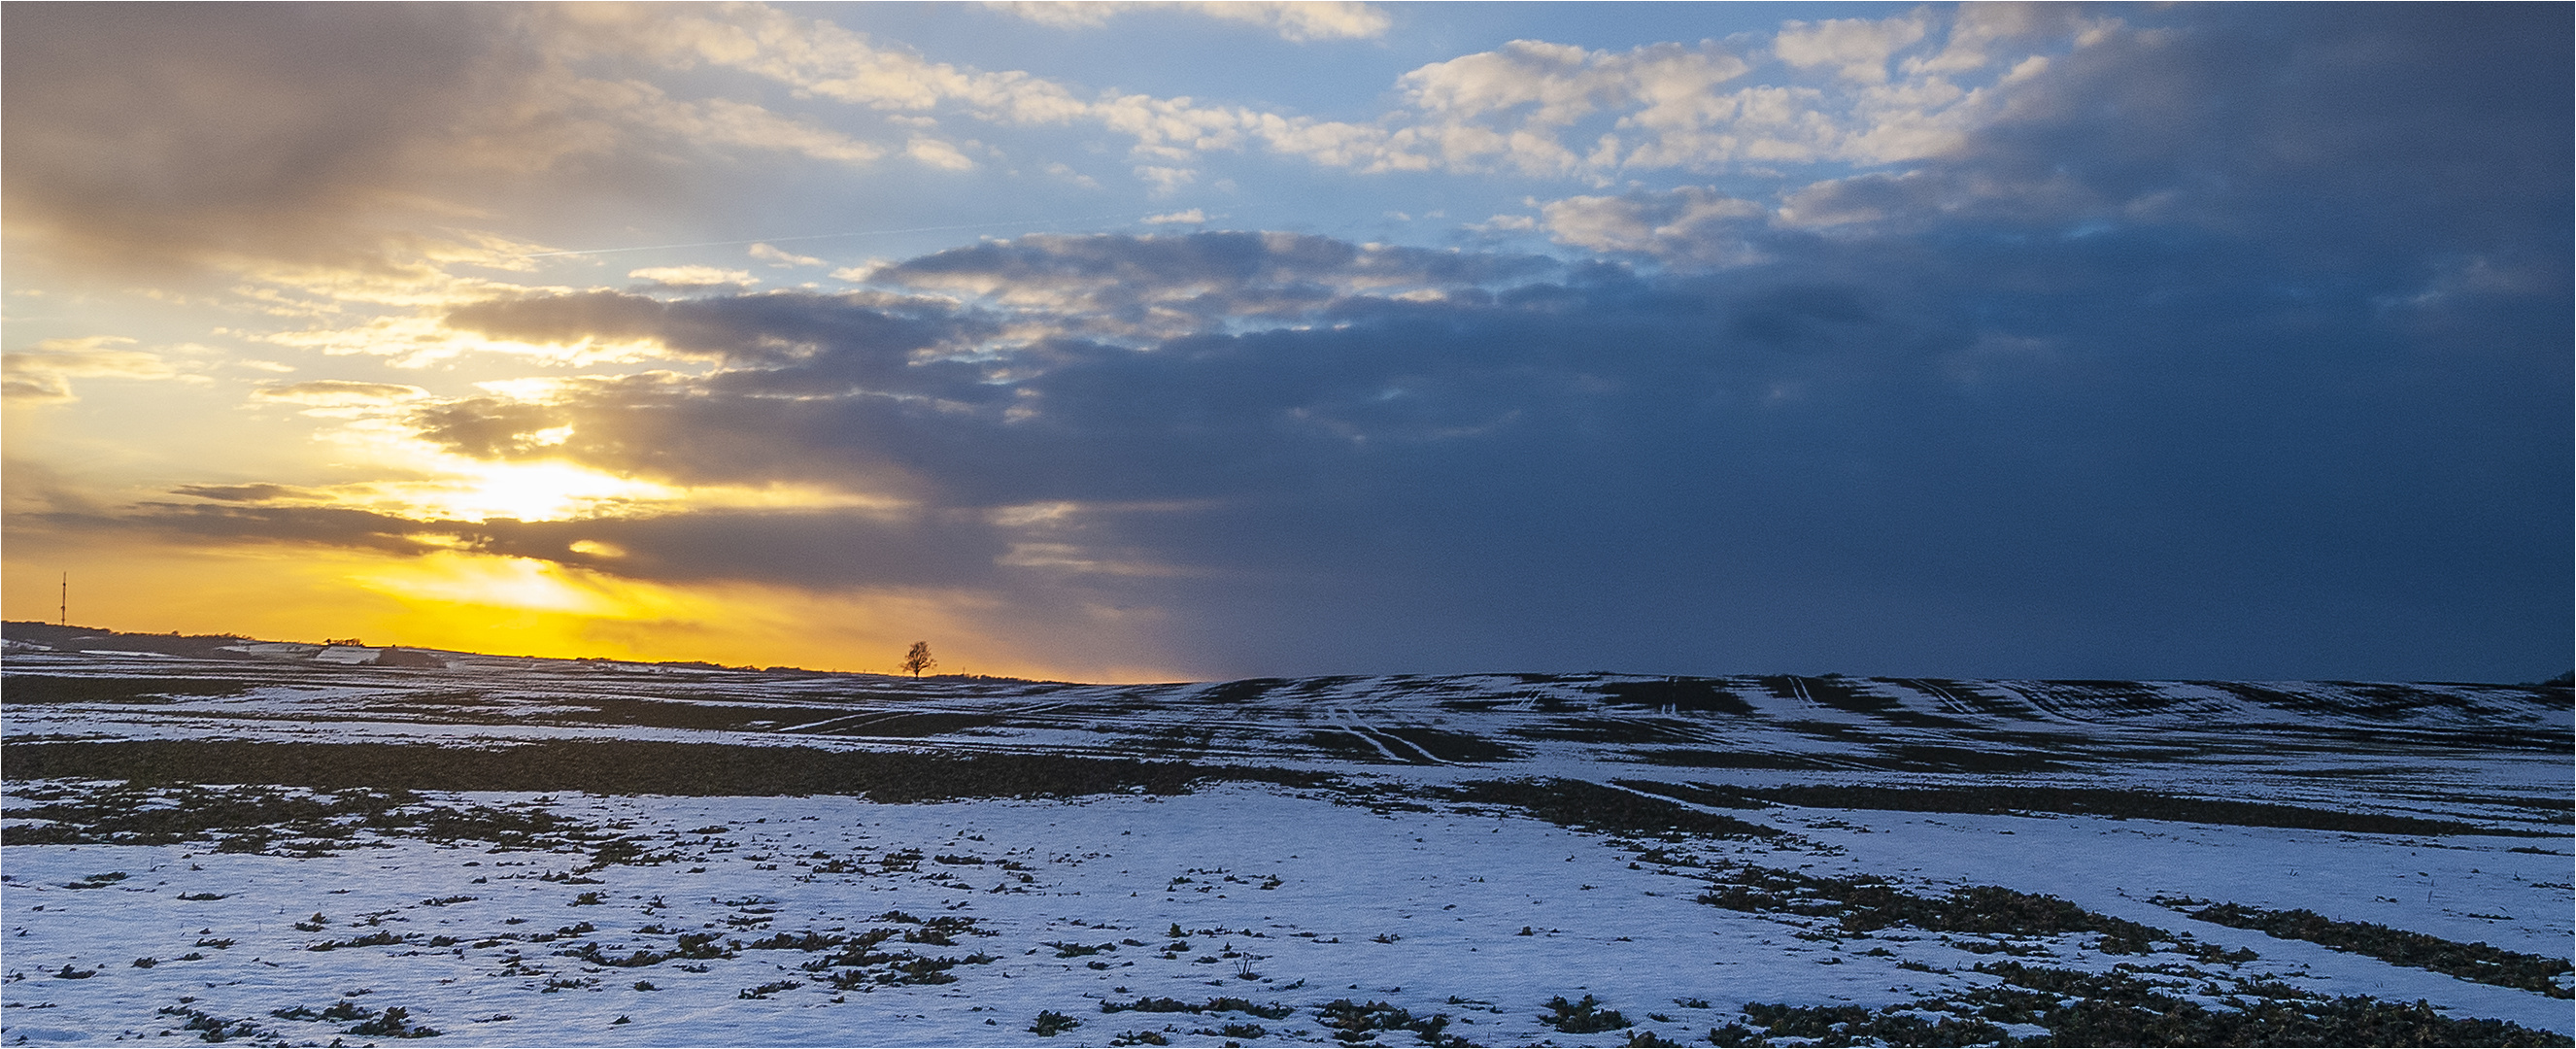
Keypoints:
(819, 236)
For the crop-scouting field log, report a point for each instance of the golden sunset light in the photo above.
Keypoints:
(460, 600)
(1219, 341)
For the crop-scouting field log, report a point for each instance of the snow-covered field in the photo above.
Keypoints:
(212, 844)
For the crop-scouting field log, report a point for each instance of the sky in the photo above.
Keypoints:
(1192, 341)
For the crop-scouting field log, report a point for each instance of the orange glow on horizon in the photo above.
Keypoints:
(515, 607)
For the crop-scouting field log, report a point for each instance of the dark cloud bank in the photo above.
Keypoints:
(2238, 353)
(157, 135)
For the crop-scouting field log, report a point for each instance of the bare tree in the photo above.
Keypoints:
(919, 659)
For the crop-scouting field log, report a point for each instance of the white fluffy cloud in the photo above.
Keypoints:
(1553, 109)
(1529, 107)
(1691, 223)
(1855, 48)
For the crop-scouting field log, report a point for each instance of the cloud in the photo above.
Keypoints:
(2107, 389)
(806, 370)
(938, 154)
(302, 147)
(282, 140)
(1296, 22)
(779, 257)
(1059, 169)
(1556, 110)
(795, 548)
(814, 56)
(244, 493)
(728, 123)
(757, 328)
(1192, 217)
(1921, 448)
(43, 375)
(1516, 105)
(1166, 180)
(155, 137)
(1064, 16)
(2267, 376)
(1856, 48)
(340, 393)
(1530, 107)
(1117, 287)
(690, 277)
(1690, 224)
(1301, 22)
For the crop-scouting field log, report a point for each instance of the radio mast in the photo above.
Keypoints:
(63, 614)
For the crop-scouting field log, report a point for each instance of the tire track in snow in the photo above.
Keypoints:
(1345, 720)
(1390, 742)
